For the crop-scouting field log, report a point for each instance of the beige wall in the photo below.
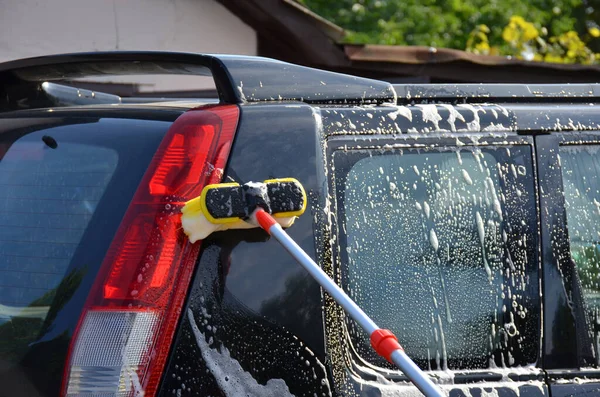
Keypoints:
(41, 27)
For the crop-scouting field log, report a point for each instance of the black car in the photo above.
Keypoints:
(465, 218)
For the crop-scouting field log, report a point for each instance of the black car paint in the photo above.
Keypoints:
(137, 132)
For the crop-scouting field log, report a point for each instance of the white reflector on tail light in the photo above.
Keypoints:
(112, 348)
(125, 332)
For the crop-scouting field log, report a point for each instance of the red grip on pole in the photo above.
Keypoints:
(385, 343)
(265, 220)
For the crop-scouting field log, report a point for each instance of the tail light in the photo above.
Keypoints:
(124, 334)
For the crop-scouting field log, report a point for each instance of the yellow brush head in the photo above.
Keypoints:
(227, 205)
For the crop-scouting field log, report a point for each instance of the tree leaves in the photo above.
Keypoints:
(543, 30)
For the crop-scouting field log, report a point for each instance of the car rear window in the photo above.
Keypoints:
(54, 177)
(47, 197)
(439, 246)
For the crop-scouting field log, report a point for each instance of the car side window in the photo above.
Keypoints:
(581, 183)
(439, 245)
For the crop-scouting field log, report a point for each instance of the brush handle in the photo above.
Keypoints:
(383, 341)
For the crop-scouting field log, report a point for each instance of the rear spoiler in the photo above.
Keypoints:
(238, 79)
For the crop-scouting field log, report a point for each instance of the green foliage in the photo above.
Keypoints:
(479, 25)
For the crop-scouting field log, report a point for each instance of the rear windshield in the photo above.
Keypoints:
(439, 247)
(64, 185)
(47, 197)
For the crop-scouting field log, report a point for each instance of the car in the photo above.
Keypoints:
(462, 217)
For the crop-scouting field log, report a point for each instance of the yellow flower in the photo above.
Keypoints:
(519, 31)
(510, 33)
(481, 36)
(517, 20)
(595, 32)
(529, 32)
(482, 48)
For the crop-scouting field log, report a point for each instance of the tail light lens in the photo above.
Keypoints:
(124, 335)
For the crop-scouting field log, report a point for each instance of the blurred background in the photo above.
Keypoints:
(437, 41)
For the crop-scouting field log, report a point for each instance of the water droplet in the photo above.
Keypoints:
(467, 177)
(511, 329)
(433, 240)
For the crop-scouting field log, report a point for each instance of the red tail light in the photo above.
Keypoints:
(123, 338)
